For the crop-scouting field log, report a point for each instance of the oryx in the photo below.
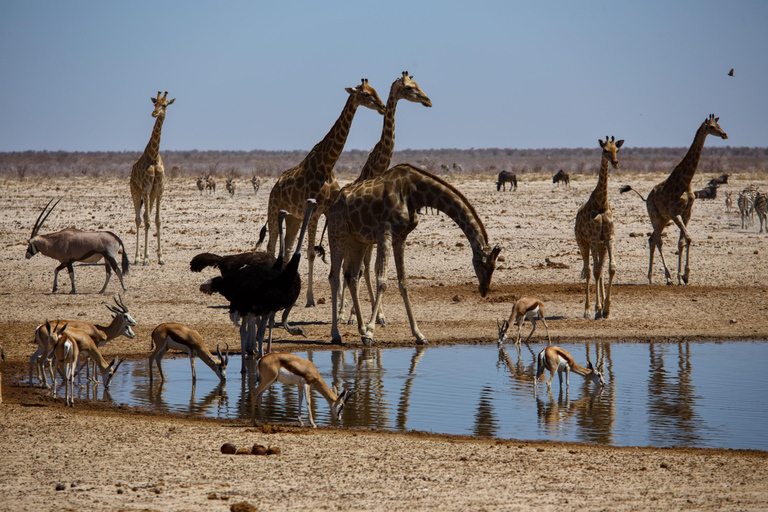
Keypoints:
(71, 244)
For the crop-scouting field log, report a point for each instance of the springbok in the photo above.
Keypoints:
(66, 353)
(70, 245)
(180, 337)
(120, 326)
(558, 360)
(85, 346)
(728, 202)
(293, 370)
(526, 308)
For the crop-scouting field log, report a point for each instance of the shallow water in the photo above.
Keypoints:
(659, 394)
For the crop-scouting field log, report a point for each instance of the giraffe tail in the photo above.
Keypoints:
(262, 234)
(627, 188)
(319, 247)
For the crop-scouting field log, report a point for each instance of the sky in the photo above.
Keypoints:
(79, 75)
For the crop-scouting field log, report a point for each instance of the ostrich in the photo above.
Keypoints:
(261, 291)
(233, 262)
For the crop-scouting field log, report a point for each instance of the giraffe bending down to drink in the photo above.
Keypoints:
(148, 181)
(383, 211)
(314, 178)
(594, 232)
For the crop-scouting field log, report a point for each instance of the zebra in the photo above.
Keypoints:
(761, 208)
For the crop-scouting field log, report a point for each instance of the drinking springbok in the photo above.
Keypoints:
(180, 337)
(292, 369)
(70, 245)
(558, 360)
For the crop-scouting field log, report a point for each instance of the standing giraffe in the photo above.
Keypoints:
(672, 199)
(383, 211)
(314, 178)
(594, 232)
(381, 156)
(148, 181)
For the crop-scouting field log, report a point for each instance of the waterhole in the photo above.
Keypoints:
(700, 394)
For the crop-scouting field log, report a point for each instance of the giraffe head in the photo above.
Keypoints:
(161, 102)
(366, 96)
(712, 128)
(405, 88)
(484, 262)
(610, 148)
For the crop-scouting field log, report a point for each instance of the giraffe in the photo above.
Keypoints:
(594, 232)
(314, 178)
(381, 156)
(383, 211)
(148, 181)
(672, 199)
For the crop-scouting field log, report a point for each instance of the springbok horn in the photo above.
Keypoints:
(112, 309)
(121, 304)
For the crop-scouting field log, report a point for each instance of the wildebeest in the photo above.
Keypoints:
(562, 176)
(720, 180)
(70, 245)
(504, 178)
(708, 192)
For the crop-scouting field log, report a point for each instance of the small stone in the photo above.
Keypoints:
(243, 506)
(60, 487)
(259, 449)
(321, 301)
(664, 465)
(228, 449)
(273, 450)
(243, 451)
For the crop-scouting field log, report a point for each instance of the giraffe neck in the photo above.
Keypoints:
(600, 194)
(152, 151)
(429, 190)
(682, 175)
(325, 154)
(381, 156)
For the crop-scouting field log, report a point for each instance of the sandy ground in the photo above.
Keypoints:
(112, 458)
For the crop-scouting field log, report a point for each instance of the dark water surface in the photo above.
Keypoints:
(659, 394)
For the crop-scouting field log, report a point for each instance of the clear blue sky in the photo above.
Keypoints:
(78, 75)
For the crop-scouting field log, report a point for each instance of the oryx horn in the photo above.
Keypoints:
(38, 222)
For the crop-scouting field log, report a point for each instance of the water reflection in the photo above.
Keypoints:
(489, 391)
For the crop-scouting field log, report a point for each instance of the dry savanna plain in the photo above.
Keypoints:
(107, 457)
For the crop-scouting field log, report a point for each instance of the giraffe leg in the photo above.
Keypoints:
(584, 250)
(147, 213)
(399, 252)
(597, 272)
(380, 318)
(334, 278)
(384, 247)
(158, 230)
(611, 274)
(352, 277)
(684, 242)
(137, 202)
(311, 235)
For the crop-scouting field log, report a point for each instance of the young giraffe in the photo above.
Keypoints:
(673, 198)
(314, 178)
(383, 211)
(381, 156)
(148, 181)
(594, 232)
